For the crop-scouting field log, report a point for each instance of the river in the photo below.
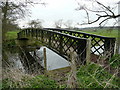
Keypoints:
(30, 59)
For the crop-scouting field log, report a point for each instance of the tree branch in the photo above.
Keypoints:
(108, 13)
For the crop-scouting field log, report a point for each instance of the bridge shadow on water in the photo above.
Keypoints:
(29, 61)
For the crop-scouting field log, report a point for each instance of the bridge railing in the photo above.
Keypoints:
(61, 43)
(103, 46)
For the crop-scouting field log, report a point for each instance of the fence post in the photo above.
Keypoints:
(72, 79)
(88, 50)
(45, 59)
(115, 48)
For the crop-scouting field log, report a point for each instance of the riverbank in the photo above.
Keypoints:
(92, 75)
(88, 76)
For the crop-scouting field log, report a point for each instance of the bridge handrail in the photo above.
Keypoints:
(106, 44)
(73, 31)
(67, 35)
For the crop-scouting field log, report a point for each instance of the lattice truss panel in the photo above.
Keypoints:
(69, 45)
(98, 43)
(55, 41)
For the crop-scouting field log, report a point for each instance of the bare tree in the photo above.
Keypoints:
(13, 10)
(35, 23)
(59, 23)
(103, 13)
(68, 24)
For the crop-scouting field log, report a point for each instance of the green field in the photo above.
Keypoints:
(11, 35)
(103, 32)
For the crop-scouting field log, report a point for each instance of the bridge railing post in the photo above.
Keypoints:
(109, 47)
(25, 33)
(36, 33)
(81, 51)
(61, 44)
(18, 35)
(29, 33)
(49, 38)
(32, 33)
(42, 40)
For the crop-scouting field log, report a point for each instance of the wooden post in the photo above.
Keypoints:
(72, 80)
(88, 54)
(45, 59)
(118, 43)
(115, 48)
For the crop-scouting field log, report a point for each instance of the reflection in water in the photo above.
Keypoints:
(30, 60)
(21, 60)
(54, 61)
(15, 61)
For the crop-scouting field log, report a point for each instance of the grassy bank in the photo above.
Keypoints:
(27, 81)
(11, 36)
(88, 76)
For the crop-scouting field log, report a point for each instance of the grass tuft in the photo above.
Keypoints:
(93, 76)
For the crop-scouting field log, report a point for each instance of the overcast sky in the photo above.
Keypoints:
(62, 9)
